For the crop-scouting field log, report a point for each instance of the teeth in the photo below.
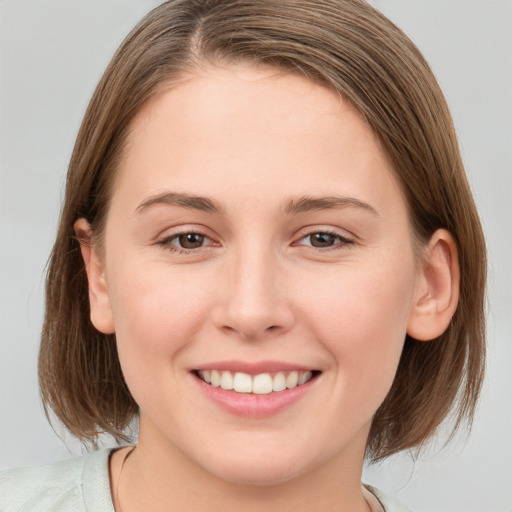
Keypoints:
(215, 377)
(292, 380)
(279, 383)
(260, 384)
(226, 381)
(242, 383)
(304, 377)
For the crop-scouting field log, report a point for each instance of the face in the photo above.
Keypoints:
(256, 238)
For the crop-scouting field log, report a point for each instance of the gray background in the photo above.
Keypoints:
(52, 54)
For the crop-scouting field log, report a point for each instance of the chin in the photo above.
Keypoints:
(256, 471)
(257, 477)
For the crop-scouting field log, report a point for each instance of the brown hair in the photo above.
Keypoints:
(348, 46)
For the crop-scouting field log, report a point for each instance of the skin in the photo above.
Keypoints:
(255, 141)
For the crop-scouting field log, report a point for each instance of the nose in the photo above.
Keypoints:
(254, 300)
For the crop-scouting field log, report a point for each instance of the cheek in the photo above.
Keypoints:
(361, 318)
(161, 301)
(156, 314)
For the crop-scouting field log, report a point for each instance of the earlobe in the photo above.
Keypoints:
(99, 301)
(437, 293)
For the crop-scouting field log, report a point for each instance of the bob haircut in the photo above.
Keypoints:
(354, 50)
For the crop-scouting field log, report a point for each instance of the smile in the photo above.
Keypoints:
(260, 384)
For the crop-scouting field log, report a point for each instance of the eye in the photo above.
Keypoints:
(324, 240)
(190, 240)
(184, 242)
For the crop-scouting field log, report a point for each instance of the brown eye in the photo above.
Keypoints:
(323, 239)
(190, 240)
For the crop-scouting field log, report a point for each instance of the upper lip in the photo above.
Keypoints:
(253, 368)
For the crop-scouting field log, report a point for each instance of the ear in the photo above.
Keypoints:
(99, 301)
(437, 290)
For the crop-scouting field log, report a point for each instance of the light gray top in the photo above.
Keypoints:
(81, 484)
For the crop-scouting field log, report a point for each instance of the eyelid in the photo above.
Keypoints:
(346, 239)
(182, 229)
(171, 234)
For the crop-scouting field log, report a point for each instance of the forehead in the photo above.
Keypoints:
(251, 129)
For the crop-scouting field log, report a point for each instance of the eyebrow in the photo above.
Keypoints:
(293, 206)
(308, 203)
(183, 200)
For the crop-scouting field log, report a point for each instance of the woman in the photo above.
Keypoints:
(283, 262)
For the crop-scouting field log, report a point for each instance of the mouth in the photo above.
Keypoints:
(259, 384)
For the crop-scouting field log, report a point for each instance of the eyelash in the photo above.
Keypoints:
(343, 241)
(167, 242)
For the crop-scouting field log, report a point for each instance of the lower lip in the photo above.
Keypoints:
(253, 405)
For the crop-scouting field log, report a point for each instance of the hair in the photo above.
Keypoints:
(349, 47)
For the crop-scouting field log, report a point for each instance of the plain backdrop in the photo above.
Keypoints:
(52, 55)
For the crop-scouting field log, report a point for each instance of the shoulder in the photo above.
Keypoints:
(79, 484)
(389, 503)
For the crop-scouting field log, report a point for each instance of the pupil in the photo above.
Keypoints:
(191, 240)
(322, 240)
